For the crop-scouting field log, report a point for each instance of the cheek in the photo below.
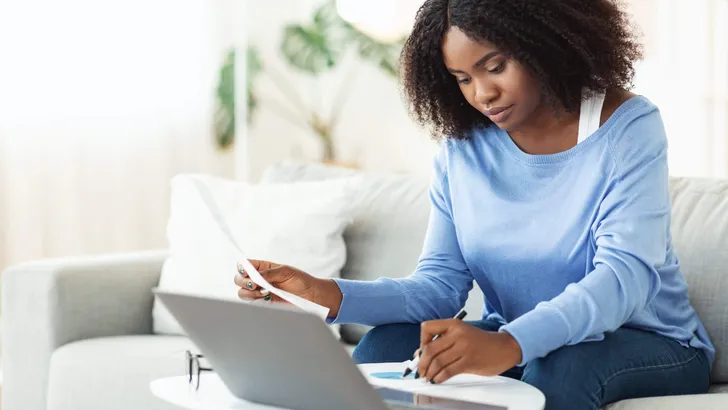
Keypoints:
(524, 91)
(469, 94)
(529, 89)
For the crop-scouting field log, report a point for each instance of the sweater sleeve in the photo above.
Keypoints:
(439, 285)
(630, 233)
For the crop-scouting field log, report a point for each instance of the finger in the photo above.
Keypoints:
(417, 353)
(429, 329)
(430, 361)
(245, 282)
(441, 361)
(259, 265)
(241, 270)
(263, 265)
(275, 299)
(455, 367)
(278, 274)
(270, 298)
(241, 280)
(246, 294)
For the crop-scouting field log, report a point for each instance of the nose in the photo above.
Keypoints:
(485, 94)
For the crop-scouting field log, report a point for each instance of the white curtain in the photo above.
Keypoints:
(101, 102)
(685, 72)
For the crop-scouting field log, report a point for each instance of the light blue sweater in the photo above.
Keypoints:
(564, 247)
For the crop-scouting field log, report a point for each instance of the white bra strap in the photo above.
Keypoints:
(590, 116)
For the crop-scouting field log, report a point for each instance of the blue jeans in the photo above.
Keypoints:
(627, 364)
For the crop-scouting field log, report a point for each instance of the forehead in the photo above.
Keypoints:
(460, 51)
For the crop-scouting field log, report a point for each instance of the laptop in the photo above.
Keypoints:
(280, 355)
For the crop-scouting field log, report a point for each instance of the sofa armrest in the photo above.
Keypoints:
(49, 303)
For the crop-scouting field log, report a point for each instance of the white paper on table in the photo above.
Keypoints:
(255, 276)
(420, 385)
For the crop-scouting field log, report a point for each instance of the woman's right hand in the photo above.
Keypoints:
(324, 292)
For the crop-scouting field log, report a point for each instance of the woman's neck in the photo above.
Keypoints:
(547, 132)
(550, 132)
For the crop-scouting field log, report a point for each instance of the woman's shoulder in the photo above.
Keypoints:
(612, 101)
(623, 107)
(474, 140)
(636, 129)
(478, 142)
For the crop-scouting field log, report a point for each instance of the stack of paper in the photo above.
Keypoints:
(374, 371)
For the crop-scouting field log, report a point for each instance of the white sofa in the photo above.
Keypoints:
(77, 332)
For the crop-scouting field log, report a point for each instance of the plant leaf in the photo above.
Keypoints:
(383, 55)
(254, 66)
(327, 17)
(224, 119)
(308, 48)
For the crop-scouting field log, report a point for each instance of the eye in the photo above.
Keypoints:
(499, 68)
(465, 81)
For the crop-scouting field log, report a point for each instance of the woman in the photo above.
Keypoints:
(550, 191)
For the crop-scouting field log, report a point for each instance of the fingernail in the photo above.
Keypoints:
(432, 381)
(250, 285)
(420, 353)
(266, 298)
(417, 375)
(264, 291)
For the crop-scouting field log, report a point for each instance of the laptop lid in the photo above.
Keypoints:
(273, 354)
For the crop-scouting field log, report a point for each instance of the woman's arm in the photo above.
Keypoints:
(631, 241)
(437, 289)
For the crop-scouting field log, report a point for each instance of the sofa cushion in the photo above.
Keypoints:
(389, 218)
(299, 224)
(114, 371)
(700, 237)
(692, 402)
(720, 388)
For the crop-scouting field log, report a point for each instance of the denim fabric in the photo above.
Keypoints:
(628, 363)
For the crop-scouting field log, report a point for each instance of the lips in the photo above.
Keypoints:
(497, 114)
(495, 111)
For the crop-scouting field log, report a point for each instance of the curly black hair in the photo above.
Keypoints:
(568, 46)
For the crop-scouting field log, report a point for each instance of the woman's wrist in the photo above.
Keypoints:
(329, 296)
(513, 345)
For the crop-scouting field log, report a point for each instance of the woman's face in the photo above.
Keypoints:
(495, 85)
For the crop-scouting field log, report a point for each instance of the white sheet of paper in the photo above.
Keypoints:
(420, 385)
(318, 310)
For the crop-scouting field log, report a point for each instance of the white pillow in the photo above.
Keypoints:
(298, 224)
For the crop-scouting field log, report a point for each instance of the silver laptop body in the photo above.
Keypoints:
(280, 355)
(273, 353)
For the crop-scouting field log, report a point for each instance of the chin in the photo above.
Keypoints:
(506, 125)
(509, 123)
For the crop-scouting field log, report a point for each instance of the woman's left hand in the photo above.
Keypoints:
(463, 348)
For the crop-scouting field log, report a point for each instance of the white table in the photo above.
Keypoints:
(213, 395)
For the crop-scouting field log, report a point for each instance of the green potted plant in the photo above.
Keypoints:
(314, 48)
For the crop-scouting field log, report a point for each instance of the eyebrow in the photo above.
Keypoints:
(478, 63)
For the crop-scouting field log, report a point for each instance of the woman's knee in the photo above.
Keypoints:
(388, 343)
(567, 383)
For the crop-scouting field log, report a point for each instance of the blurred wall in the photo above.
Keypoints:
(101, 103)
(374, 130)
